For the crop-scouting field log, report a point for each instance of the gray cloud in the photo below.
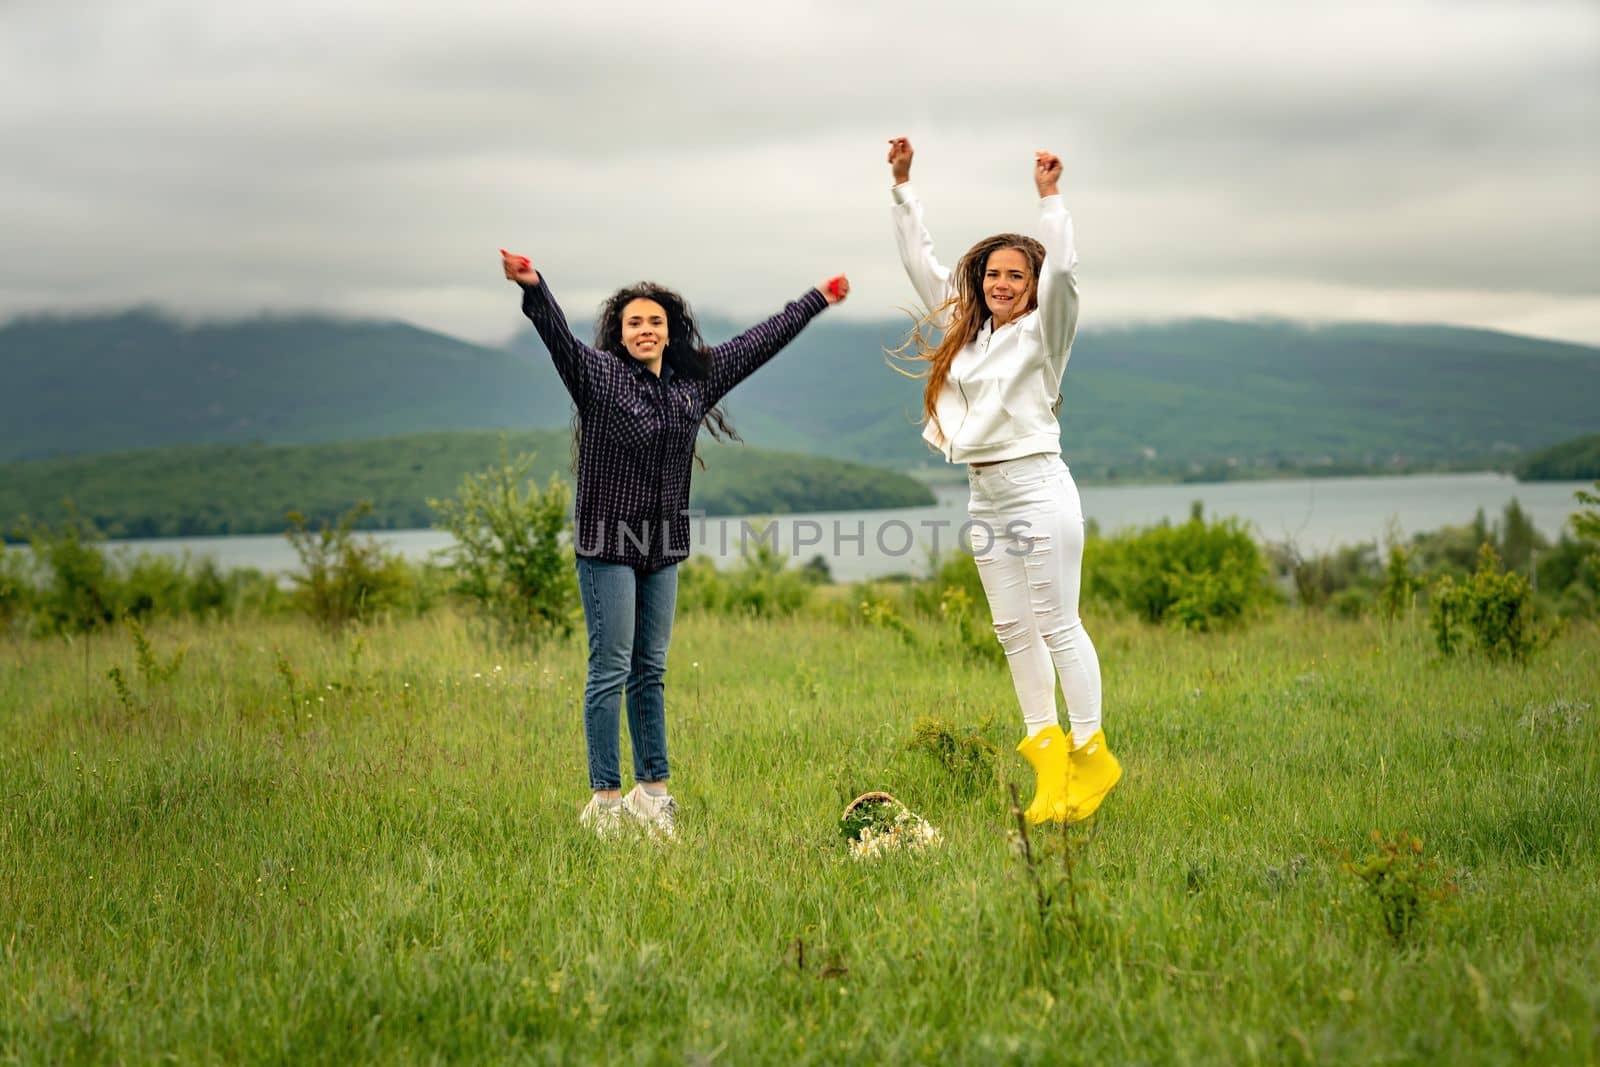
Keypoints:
(1414, 159)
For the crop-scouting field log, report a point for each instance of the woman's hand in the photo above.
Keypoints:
(1047, 173)
(519, 269)
(835, 289)
(900, 159)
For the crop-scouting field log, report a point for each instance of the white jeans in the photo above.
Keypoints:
(1026, 534)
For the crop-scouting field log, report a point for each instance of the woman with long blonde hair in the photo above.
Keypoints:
(1002, 325)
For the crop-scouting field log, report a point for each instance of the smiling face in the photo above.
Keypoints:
(1007, 284)
(644, 330)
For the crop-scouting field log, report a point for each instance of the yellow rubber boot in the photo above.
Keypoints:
(1048, 751)
(1094, 771)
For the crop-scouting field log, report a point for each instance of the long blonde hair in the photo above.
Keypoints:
(967, 314)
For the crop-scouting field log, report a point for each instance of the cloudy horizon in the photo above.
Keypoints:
(1414, 161)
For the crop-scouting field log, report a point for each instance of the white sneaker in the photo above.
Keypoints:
(603, 818)
(658, 814)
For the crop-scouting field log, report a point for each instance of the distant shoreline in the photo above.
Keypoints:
(955, 474)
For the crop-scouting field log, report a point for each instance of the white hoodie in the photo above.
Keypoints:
(999, 401)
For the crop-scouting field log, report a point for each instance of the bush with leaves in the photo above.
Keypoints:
(210, 591)
(1325, 578)
(1586, 520)
(761, 584)
(968, 626)
(1567, 574)
(1569, 577)
(16, 590)
(1399, 593)
(952, 574)
(1517, 539)
(344, 578)
(1197, 575)
(1451, 549)
(78, 588)
(509, 556)
(153, 585)
(1494, 606)
(1405, 886)
(965, 754)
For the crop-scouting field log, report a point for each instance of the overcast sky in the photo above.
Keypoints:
(1405, 160)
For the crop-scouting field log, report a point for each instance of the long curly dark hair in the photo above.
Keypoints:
(686, 352)
(967, 314)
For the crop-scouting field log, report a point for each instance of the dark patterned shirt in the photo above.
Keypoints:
(637, 448)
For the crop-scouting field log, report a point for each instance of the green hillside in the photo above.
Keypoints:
(201, 490)
(1140, 400)
(142, 379)
(1198, 391)
(1570, 461)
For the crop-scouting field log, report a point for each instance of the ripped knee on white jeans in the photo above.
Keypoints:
(1061, 638)
(1014, 634)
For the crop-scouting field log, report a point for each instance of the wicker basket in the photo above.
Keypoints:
(874, 796)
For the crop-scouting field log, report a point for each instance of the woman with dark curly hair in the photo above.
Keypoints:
(641, 394)
(1004, 322)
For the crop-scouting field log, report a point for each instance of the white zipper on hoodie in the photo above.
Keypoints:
(1001, 393)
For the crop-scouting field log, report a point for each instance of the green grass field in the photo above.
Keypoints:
(386, 865)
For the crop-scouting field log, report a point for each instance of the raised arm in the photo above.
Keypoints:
(734, 361)
(930, 279)
(574, 360)
(1058, 285)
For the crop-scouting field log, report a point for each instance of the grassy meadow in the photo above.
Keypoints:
(302, 848)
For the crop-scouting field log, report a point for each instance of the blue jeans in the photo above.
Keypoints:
(629, 615)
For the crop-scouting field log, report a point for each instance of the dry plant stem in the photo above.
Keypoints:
(1040, 892)
(1072, 883)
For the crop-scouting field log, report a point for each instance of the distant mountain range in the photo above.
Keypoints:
(201, 490)
(1194, 392)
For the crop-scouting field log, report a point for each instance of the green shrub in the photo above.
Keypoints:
(153, 585)
(508, 554)
(1569, 573)
(1451, 549)
(701, 587)
(883, 614)
(1445, 614)
(1517, 539)
(968, 627)
(1586, 520)
(1454, 549)
(816, 570)
(16, 589)
(78, 589)
(1405, 885)
(344, 578)
(251, 593)
(1399, 593)
(210, 591)
(956, 571)
(1320, 579)
(965, 754)
(761, 585)
(1197, 575)
(1352, 603)
(1494, 606)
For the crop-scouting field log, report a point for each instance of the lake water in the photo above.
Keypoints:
(1317, 514)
